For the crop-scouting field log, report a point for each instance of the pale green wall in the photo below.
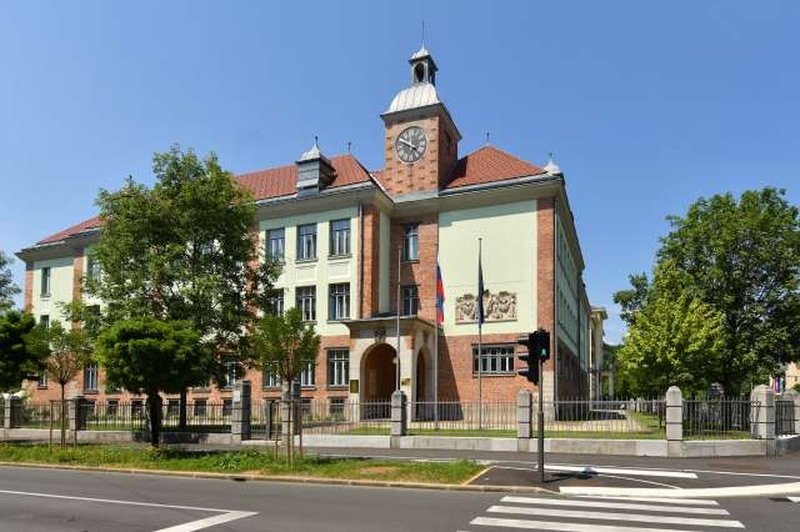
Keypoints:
(60, 287)
(509, 261)
(324, 270)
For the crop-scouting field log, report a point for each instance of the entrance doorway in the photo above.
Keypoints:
(379, 381)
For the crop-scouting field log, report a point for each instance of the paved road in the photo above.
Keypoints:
(54, 501)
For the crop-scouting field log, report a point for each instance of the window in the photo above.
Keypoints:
(227, 407)
(275, 302)
(496, 359)
(276, 244)
(44, 320)
(137, 408)
(45, 282)
(200, 407)
(336, 406)
(173, 407)
(340, 238)
(90, 378)
(305, 407)
(307, 302)
(340, 301)
(92, 269)
(411, 242)
(338, 367)
(307, 242)
(233, 372)
(42, 379)
(410, 300)
(112, 407)
(270, 378)
(307, 378)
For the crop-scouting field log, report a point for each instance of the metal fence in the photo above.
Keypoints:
(614, 419)
(785, 421)
(724, 418)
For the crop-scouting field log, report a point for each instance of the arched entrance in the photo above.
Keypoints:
(423, 386)
(378, 374)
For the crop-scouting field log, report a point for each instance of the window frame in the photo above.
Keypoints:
(337, 298)
(410, 234)
(309, 373)
(335, 239)
(496, 363)
(275, 302)
(91, 374)
(338, 360)
(300, 299)
(46, 282)
(410, 305)
(301, 255)
(268, 247)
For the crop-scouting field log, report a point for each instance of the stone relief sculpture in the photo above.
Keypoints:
(501, 306)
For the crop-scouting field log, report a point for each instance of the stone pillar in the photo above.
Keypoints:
(524, 420)
(674, 414)
(77, 413)
(794, 397)
(762, 416)
(12, 412)
(240, 416)
(399, 414)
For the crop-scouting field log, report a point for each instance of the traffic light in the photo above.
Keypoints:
(540, 343)
(530, 365)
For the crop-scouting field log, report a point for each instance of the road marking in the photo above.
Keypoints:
(614, 505)
(699, 502)
(562, 526)
(225, 517)
(794, 499)
(790, 488)
(613, 516)
(207, 522)
(620, 471)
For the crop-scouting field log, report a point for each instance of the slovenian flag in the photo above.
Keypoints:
(439, 296)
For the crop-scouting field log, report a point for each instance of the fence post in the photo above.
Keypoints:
(674, 419)
(794, 397)
(77, 419)
(240, 416)
(13, 412)
(524, 420)
(762, 416)
(399, 414)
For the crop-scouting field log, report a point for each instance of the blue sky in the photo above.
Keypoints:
(646, 105)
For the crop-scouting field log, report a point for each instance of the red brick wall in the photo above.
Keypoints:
(545, 272)
(77, 279)
(28, 295)
(422, 272)
(370, 300)
(456, 379)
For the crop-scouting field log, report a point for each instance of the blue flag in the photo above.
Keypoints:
(480, 314)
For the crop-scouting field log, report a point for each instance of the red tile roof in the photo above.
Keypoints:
(264, 184)
(488, 165)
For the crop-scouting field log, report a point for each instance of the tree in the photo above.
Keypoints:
(69, 350)
(8, 289)
(743, 258)
(675, 339)
(285, 345)
(183, 250)
(632, 300)
(152, 356)
(19, 357)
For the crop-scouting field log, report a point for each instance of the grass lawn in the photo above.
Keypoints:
(245, 461)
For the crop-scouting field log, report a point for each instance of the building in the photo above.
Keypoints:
(345, 234)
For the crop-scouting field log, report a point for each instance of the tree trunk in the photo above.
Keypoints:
(154, 405)
(182, 411)
(63, 415)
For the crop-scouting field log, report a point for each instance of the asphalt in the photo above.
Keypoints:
(39, 500)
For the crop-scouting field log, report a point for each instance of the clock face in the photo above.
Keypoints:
(411, 144)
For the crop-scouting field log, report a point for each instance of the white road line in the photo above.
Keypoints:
(794, 499)
(761, 490)
(225, 517)
(207, 522)
(562, 526)
(620, 471)
(612, 516)
(614, 505)
(698, 502)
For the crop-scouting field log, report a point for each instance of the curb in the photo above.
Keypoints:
(286, 478)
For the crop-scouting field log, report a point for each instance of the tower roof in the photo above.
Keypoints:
(417, 95)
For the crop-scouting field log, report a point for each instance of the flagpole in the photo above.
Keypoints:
(480, 338)
(399, 309)
(436, 347)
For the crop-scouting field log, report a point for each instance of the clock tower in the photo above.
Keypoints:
(420, 137)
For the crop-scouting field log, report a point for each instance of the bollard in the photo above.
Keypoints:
(240, 416)
(524, 419)
(399, 414)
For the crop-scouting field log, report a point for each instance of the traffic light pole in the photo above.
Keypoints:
(540, 422)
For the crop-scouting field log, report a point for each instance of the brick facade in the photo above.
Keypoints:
(545, 271)
(370, 300)
(421, 272)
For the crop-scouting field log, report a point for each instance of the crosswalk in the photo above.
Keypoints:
(605, 514)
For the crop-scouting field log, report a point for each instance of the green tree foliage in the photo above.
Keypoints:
(675, 339)
(19, 357)
(8, 289)
(183, 250)
(741, 257)
(152, 356)
(68, 351)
